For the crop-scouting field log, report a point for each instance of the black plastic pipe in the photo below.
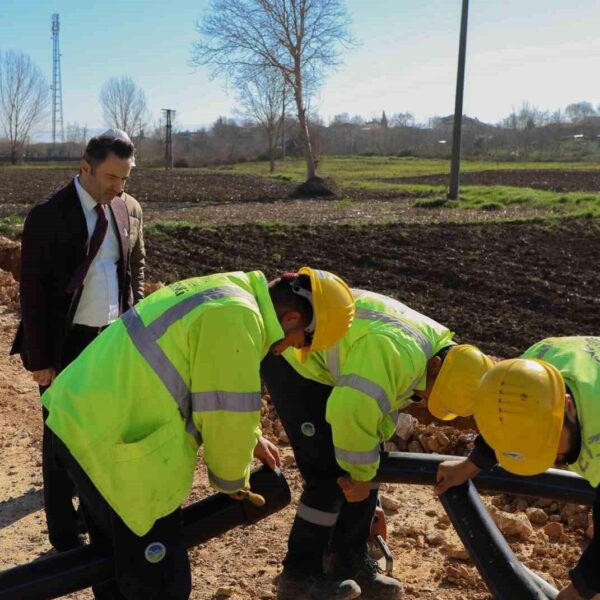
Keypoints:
(74, 570)
(501, 570)
(550, 591)
(565, 486)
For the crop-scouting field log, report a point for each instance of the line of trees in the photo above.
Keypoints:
(275, 55)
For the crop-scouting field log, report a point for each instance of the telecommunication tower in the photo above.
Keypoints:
(57, 104)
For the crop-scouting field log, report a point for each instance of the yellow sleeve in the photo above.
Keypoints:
(225, 382)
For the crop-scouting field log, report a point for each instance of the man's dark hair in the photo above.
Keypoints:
(98, 148)
(283, 296)
(442, 353)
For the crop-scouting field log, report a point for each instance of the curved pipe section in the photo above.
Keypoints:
(564, 486)
(74, 570)
(501, 570)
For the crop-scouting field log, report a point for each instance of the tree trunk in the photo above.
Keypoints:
(271, 151)
(311, 169)
(14, 154)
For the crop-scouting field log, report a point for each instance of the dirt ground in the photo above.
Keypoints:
(227, 198)
(500, 285)
(553, 181)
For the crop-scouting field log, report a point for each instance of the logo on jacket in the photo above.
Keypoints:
(308, 429)
(155, 552)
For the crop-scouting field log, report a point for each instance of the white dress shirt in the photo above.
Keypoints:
(99, 302)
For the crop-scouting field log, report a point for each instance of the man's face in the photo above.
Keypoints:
(434, 365)
(569, 434)
(107, 180)
(293, 325)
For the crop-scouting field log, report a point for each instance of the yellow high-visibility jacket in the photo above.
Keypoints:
(578, 360)
(374, 371)
(179, 369)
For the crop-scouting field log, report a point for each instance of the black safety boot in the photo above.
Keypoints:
(325, 588)
(365, 572)
(293, 584)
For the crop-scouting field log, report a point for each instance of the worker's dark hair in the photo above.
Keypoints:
(98, 148)
(442, 353)
(285, 299)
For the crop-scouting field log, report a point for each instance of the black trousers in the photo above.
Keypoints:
(61, 518)
(325, 521)
(152, 567)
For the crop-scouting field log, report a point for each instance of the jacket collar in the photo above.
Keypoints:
(273, 330)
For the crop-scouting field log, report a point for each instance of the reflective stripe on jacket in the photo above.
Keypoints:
(374, 371)
(578, 360)
(179, 369)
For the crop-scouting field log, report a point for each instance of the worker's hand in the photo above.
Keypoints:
(454, 472)
(571, 593)
(241, 495)
(378, 526)
(44, 377)
(355, 491)
(267, 452)
(248, 494)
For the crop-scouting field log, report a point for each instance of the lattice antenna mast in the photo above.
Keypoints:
(57, 104)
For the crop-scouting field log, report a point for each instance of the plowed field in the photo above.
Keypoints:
(502, 285)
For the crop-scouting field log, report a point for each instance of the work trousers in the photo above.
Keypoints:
(151, 567)
(324, 522)
(61, 518)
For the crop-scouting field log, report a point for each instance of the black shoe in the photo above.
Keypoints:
(366, 573)
(64, 544)
(334, 589)
(293, 584)
(299, 585)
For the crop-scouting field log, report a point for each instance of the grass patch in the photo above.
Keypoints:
(12, 226)
(491, 206)
(347, 169)
(172, 228)
(433, 203)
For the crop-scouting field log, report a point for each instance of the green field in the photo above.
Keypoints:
(349, 169)
(364, 172)
(372, 175)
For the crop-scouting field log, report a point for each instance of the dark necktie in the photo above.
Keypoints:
(96, 240)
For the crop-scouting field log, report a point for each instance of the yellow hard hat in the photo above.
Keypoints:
(453, 392)
(520, 410)
(333, 310)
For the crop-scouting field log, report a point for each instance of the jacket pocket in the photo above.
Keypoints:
(125, 451)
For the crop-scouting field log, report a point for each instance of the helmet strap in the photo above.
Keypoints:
(300, 291)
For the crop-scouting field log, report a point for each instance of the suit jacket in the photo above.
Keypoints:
(54, 242)
(137, 250)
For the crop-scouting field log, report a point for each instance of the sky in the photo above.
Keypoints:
(546, 52)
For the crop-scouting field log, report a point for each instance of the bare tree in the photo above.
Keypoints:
(579, 111)
(263, 97)
(124, 105)
(23, 99)
(299, 38)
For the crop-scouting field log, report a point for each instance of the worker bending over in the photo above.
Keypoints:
(337, 406)
(535, 411)
(178, 370)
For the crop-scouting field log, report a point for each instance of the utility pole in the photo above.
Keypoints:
(138, 150)
(57, 104)
(169, 114)
(283, 123)
(458, 105)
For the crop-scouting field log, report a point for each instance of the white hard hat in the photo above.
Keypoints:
(119, 134)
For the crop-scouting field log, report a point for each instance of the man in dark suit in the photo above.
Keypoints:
(75, 280)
